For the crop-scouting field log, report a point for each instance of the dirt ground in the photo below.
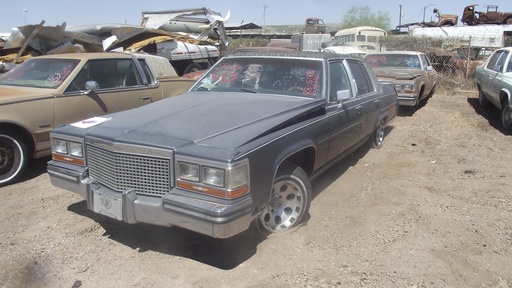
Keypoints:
(432, 208)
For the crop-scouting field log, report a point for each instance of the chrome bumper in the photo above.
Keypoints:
(407, 100)
(214, 219)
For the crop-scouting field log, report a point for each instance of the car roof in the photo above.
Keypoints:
(291, 54)
(90, 55)
(506, 48)
(397, 52)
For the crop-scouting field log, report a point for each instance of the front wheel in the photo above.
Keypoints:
(289, 201)
(505, 117)
(13, 157)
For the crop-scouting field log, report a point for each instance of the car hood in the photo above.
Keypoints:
(20, 93)
(398, 74)
(223, 120)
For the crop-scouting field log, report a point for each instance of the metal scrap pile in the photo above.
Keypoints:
(34, 40)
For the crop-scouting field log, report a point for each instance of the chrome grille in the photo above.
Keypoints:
(120, 171)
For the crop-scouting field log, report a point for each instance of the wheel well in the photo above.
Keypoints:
(23, 133)
(503, 97)
(304, 158)
(422, 89)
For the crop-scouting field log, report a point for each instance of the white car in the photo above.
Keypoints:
(494, 82)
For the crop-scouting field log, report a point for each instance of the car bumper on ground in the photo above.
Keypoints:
(172, 209)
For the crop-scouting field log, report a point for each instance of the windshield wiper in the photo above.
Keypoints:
(202, 88)
(249, 90)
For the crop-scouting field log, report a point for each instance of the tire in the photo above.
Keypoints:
(505, 117)
(378, 135)
(482, 100)
(289, 201)
(192, 67)
(13, 157)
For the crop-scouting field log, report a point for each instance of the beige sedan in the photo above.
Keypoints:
(47, 91)
(411, 72)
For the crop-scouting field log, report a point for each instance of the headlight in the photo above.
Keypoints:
(68, 150)
(408, 87)
(60, 146)
(229, 182)
(75, 149)
(189, 171)
(213, 176)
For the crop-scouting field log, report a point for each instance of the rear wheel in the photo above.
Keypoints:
(13, 157)
(192, 67)
(378, 135)
(505, 117)
(289, 201)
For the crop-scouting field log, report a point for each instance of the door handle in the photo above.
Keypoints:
(359, 110)
(144, 98)
(377, 103)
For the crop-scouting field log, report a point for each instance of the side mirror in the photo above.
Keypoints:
(91, 86)
(343, 95)
(429, 68)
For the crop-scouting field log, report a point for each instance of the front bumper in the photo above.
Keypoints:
(177, 208)
(407, 99)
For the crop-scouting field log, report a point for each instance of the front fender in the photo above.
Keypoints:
(291, 150)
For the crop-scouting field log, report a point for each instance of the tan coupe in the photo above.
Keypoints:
(47, 91)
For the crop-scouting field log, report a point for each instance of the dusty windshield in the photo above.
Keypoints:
(297, 77)
(393, 61)
(39, 73)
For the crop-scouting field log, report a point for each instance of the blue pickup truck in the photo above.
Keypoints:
(240, 147)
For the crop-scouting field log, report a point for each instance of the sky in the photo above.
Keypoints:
(260, 12)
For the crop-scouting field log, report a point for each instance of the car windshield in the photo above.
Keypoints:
(297, 77)
(40, 73)
(400, 61)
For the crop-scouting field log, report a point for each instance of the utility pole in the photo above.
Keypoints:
(24, 11)
(400, 16)
(425, 8)
(264, 15)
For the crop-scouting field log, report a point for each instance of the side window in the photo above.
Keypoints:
(509, 65)
(501, 62)
(78, 82)
(108, 73)
(426, 61)
(338, 81)
(146, 69)
(494, 60)
(363, 80)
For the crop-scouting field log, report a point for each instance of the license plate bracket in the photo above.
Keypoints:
(107, 205)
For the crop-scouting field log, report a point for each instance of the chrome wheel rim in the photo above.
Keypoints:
(506, 119)
(379, 136)
(286, 205)
(10, 158)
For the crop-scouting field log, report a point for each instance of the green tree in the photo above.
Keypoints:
(363, 16)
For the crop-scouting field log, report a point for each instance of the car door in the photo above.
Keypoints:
(345, 117)
(429, 72)
(496, 81)
(367, 95)
(121, 87)
(488, 73)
